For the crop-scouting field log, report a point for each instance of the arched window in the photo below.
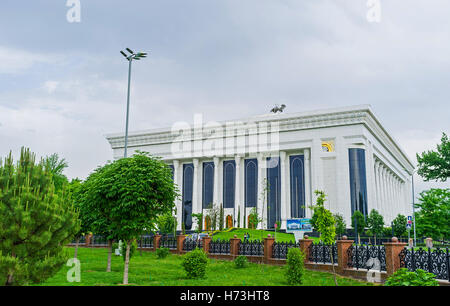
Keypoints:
(188, 184)
(297, 186)
(229, 176)
(251, 182)
(208, 223)
(208, 184)
(229, 221)
(358, 187)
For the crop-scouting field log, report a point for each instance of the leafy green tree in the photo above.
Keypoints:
(84, 215)
(95, 217)
(399, 225)
(56, 166)
(340, 224)
(131, 193)
(325, 224)
(435, 165)
(36, 222)
(433, 217)
(358, 223)
(375, 223)
(166, 223)
(253, 218)
(295, 266)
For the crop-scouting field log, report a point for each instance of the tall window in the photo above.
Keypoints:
(358, 185)
(297, 186)
(229, 176)
(188, 184)
(251, 182)
(208, 184)
(273, 191)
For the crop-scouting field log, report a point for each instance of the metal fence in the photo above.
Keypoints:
(251, 248)
(280, 249)
(219, 247)
(367, 256)
(321, 253)
(146, 242)
(98, 240)
(436, 261)
(168, 242)
(190, 244)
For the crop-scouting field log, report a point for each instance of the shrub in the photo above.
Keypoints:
(403, 277)
(162, 253)
(194, 263)
(294, 266)
(240, 262)
(123, 250)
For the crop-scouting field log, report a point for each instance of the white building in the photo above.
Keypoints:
(275, 163)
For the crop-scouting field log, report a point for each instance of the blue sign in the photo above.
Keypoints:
(298, 225)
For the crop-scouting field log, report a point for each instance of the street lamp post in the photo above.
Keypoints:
(130, 58)
(414, 209)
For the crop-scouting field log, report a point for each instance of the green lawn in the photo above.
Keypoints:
(148, 270)
(255, 235)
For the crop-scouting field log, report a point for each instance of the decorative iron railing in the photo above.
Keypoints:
(146, 242)
(190, 244)
(81, 241)
(436, 261)
(251, 248)
(219, 247)
(367, 256)
(98, 240)
(168, 242)
(320, 253)
(280, 249)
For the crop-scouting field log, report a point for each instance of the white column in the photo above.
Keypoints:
(377, 191)
(237, 191)
(308, 195)
(262, 193)
(176, 180)
(195, 193)
(283, 190)
(370, 180)
(386, 212)
(343, 197)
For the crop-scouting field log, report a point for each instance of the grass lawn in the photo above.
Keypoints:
(150, 271)
(256, 235)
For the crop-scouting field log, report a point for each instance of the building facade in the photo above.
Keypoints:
(274, 163)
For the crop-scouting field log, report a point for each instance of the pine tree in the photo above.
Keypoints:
(35, 221)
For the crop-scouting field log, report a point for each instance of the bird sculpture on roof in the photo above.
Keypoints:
(278, 109)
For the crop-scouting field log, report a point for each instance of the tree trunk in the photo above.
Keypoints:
(127, 261)
(76, 247)
(10, 277)
(332, 265)
(108, 267)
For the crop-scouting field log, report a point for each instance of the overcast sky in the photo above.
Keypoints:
(63, 85)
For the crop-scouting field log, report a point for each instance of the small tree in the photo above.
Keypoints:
(435, 165)
(166, 223)
(375, 223)
(36, 222)
(340, 224)
(199, 220)
(325, 225)
(221, 218)
(399, 225)
(253, 218)
(433, 217)
(295, 266)
(194, 263)
(132, 192)
(358, 223)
